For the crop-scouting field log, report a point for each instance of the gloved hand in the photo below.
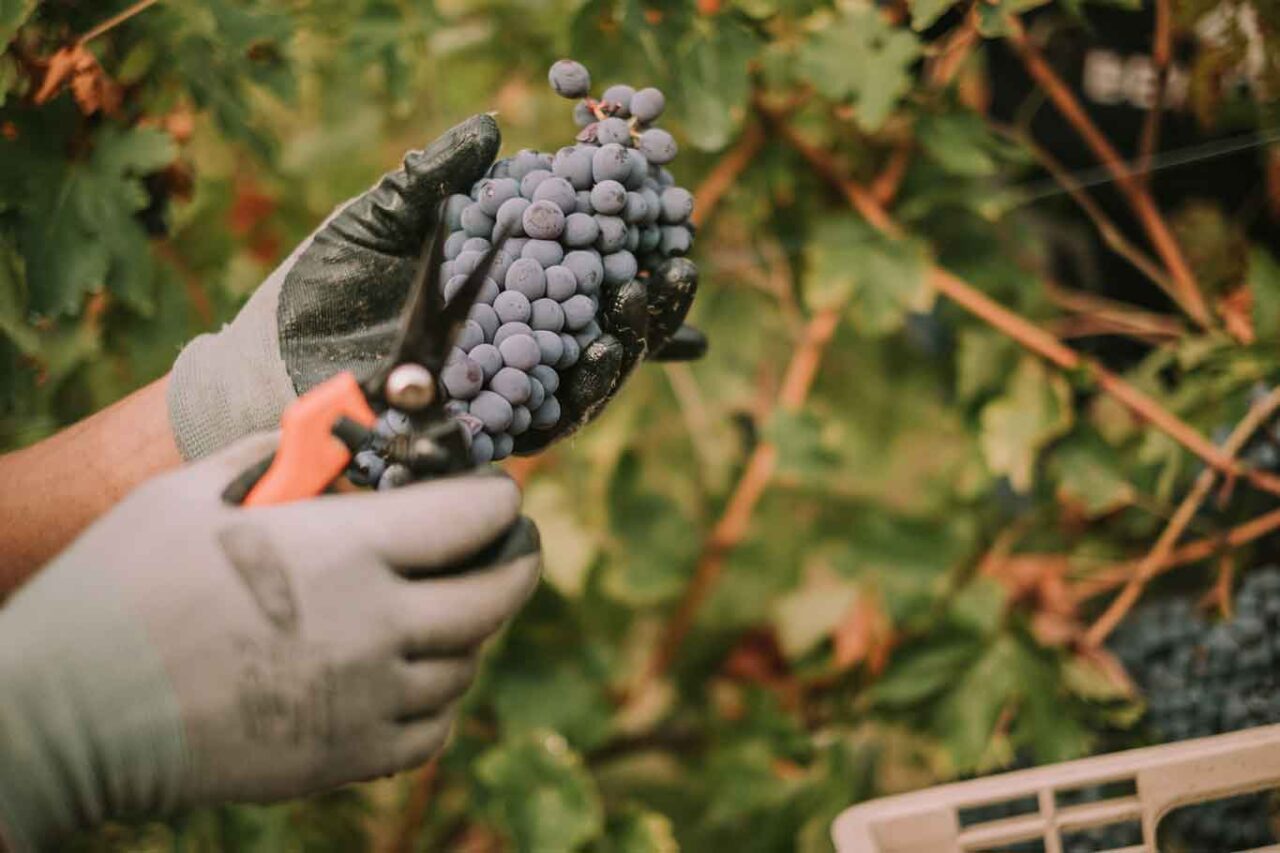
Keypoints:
(184, 651)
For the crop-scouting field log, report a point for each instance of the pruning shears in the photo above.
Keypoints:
(322, 429)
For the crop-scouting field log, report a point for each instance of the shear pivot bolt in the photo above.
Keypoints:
(410, 387)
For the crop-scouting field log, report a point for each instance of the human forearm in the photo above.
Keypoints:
(53, 490)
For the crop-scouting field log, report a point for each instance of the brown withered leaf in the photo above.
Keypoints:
(75, 66)
(1236, 310)
(863, 635)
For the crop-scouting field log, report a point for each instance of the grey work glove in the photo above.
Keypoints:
(184, 651)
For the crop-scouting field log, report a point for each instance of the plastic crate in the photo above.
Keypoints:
(1149, 783)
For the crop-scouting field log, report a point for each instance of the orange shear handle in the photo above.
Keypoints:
(310, 456)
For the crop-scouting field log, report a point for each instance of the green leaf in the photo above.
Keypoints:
(570, 546)
(1264, 282)
(538, 789)
(924, 13)
(966, 718)
(1090, 475)
(654, 544)
(13, 299)
(883, 279)
(13, 14)
(861, 58)
(540, 694)
(639, 830)
(809, 614)
(1034, 410)
(801, 450)
(993, 17)
(78, 232)
(714, 83)
(958, 142)
(919, 672)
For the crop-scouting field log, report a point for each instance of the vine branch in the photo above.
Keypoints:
(1159, 553)
(1024, 332)
(1134, 190)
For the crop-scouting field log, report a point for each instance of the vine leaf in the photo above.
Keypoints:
(1034, 410)
(882, 279)
(78, 232)
(540, 790)
(863, 59)
(13, 14)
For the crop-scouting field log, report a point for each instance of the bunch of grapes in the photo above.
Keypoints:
(1205, 677)
(574, 226)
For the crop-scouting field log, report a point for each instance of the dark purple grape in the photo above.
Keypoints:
(463, 379)
(529, 183)
(510, 218)
(507, 330)
(491, 193)
(610, 163)
(394, 477)
(547, 377)
(476, 244)
(537, 393)
(588, 335)
(524, 162)
(573, 163)
(571, 352)
(569, 79)
(547, 415)
(476, 222)
(587, 269)
(559, 192)
(481, 448)
(677, 205)
(527, 277)
(657, 146)
(547, 253)
(547, 315)
(579, 310)
(580, 230)
(620, 95)
(613, 233)
(503, 444)
(486, 318)
(676, 240)
(489, 359)
(453, 246)
(608, 197)
(613, 130)
(470, 336)
(647, 104)
(521, 417)
(512, 306)
(619, 267)
(636, 208)
(543, 220)
(561, 282)
(453, 210)
(550, 347)
(584, 202)
(582, 114)
(511, 384)
(520, 351)
(492, 410)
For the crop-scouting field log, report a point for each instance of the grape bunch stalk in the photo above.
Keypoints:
(575, 227)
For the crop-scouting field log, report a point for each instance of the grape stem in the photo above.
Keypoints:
(1158, 556)
(415, 810)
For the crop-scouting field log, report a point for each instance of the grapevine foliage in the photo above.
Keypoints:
(854, 551)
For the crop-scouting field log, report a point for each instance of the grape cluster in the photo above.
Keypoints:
(1204, 677)
(575, 226)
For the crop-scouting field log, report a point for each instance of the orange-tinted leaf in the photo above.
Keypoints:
(1236, 309)
(864, 635)
(58, 72)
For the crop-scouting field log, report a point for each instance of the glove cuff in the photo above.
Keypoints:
(231, 384)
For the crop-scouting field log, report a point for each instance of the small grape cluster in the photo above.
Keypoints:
(1204, 677)
(575, 226)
